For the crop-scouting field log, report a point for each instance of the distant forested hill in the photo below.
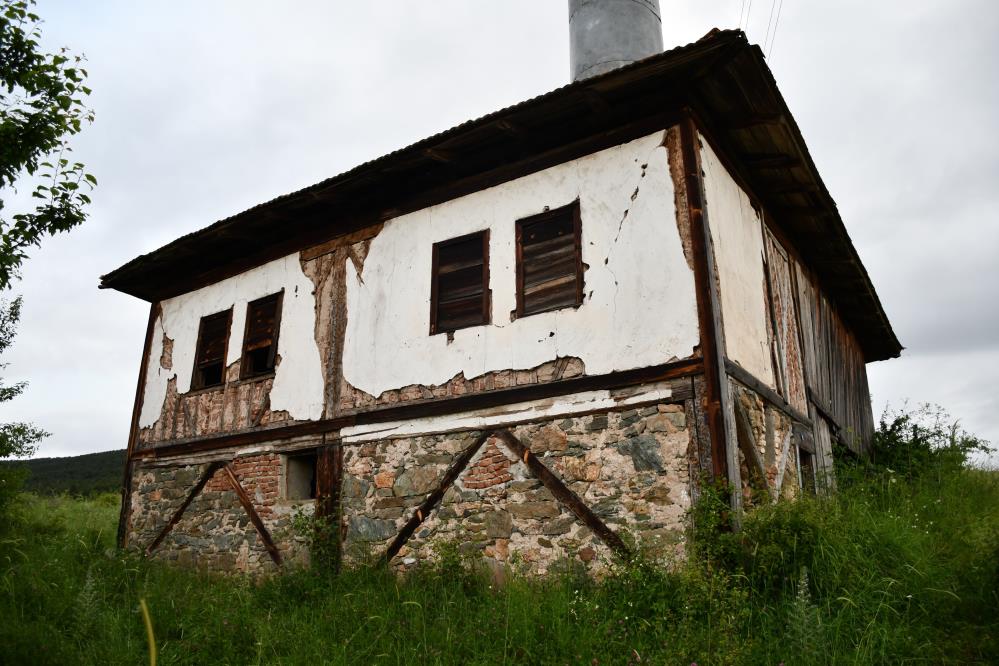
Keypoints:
(77, 475)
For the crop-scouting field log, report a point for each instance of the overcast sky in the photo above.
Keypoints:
(205, 109)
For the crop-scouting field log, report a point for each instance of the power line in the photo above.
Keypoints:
(742, 10)
(770, 21)
(773, 37)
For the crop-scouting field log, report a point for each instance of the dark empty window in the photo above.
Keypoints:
(459, 294)
(806, 462)
(549, 261)
(300, 476)
(209, 358)
(263, 320)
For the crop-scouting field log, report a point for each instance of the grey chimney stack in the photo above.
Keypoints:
(607, 34)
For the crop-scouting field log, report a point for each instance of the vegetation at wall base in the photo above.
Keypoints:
(899, 566)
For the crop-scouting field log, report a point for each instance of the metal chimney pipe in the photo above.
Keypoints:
(607, 34)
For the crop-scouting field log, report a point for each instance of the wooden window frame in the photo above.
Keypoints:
(196, 383)
(434, 278)
(577, 230)
(279, 306)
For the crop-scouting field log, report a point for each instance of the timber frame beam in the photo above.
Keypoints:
(440, 407)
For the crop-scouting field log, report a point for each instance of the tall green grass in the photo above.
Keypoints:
(901, 566)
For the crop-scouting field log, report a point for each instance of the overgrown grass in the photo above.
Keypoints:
(902, 565)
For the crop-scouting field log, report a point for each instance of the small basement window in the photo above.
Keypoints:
(459, 292)
(300, 476)
(806, 465)
(263, 321)
(549, 261)
(209, 357)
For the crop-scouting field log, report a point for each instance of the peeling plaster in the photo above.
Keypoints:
(298, 380)
(639, 309)
(737, 234)
(495, 417)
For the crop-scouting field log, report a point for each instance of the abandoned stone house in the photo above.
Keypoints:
(536, 333)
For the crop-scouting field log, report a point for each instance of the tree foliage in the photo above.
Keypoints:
(42, 105)
(17, 440)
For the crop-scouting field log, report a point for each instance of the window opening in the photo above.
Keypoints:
(459, 295)
(549, 261)
(263, 321)
(209, 357)
(300, 476)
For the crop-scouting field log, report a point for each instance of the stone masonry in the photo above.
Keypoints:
(215, 532)
(630, 467)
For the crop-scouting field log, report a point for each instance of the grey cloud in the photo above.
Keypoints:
(205, 109)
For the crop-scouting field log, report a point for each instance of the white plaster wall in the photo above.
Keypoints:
(298, 381)
(737, 234)
(639, 307)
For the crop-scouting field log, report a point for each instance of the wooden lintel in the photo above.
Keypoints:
(175, 518)
(258, 524)
(747, 379)
(332, 245)
(564, 495)
(439, 407)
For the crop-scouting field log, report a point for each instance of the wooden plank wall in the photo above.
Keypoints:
(834, 366)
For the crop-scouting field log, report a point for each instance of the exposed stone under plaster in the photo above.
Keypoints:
(353, 399)
(237, 405)
(632, 468)
(215, 532)
(779, 452)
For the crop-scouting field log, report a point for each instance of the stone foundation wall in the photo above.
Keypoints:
(215, 532)
(630, 467)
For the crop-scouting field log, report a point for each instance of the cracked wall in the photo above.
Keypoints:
(639, 307)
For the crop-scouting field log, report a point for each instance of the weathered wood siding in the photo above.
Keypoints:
(834, 366)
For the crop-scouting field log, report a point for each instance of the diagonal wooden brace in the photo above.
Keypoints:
(563, 494)
(258, 524)
(175, 518)
(423, 511)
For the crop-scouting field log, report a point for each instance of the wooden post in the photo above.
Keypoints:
(721, 417)
(133, 431)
